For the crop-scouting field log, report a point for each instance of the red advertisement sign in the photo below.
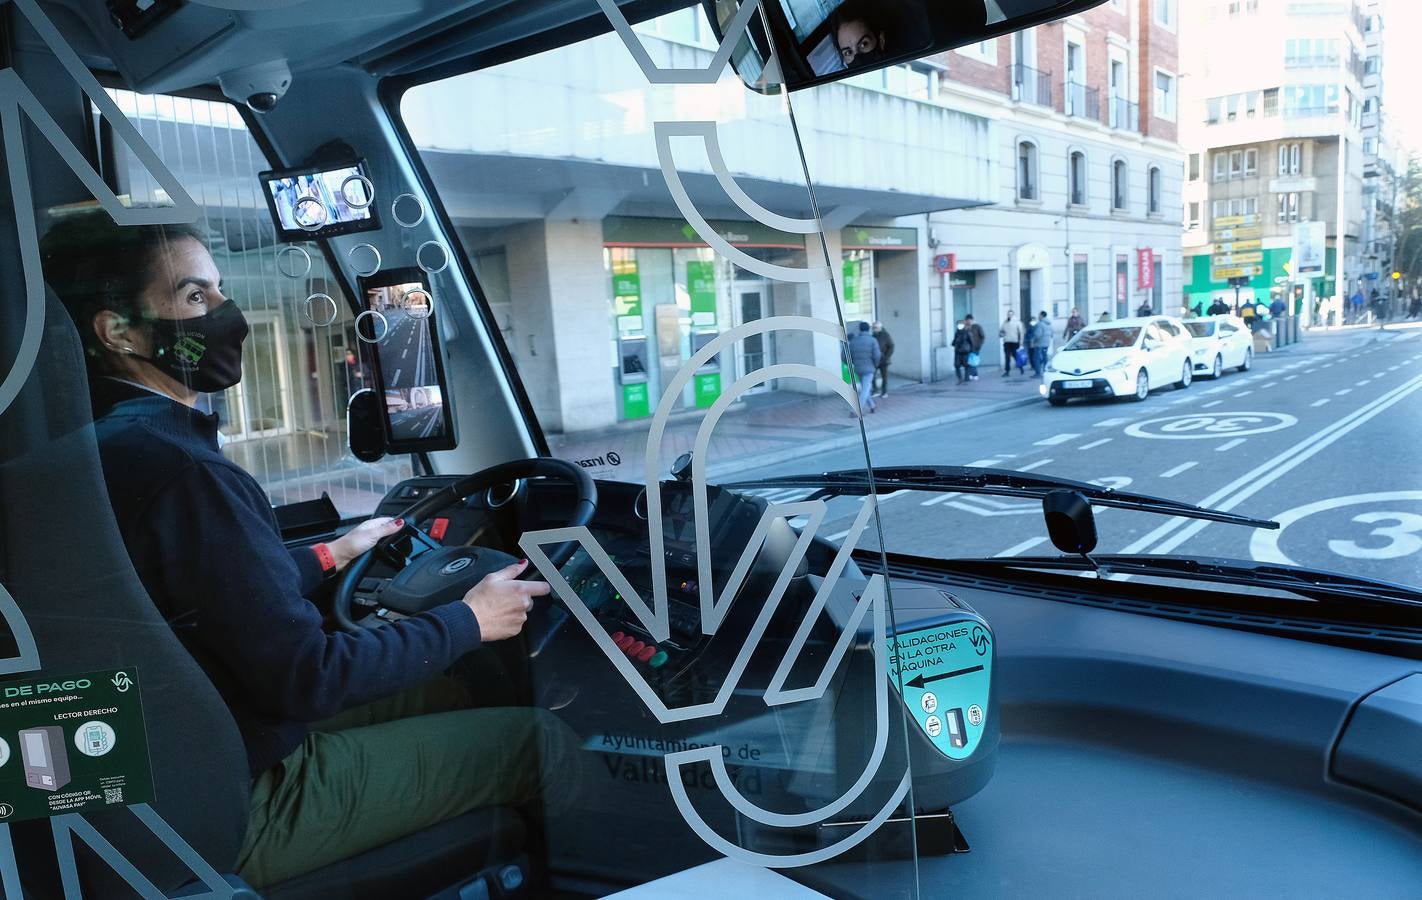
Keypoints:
(1145, 268)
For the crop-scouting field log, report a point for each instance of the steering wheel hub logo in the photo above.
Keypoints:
(456, 566)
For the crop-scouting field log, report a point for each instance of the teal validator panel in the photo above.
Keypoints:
(947, 672)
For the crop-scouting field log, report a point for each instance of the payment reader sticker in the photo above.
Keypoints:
(946, 672)
(72, 744)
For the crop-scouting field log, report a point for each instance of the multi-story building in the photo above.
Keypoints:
(1089, 168)
(1273, 101)
(1383, 164)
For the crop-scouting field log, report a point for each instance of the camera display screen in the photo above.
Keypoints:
(313, 203)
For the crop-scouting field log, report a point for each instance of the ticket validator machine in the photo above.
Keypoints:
(45, 759)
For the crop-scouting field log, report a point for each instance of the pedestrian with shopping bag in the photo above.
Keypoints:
(864, 356)
(978, 338)
(1038, 341)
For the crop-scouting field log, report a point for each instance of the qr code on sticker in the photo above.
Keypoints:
(113, 795)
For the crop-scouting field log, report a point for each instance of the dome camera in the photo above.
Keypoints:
(261, 85)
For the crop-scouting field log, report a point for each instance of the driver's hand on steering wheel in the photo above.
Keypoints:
(362, 538)
(501, 602)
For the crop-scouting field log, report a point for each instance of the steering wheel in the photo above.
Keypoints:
(441, 574)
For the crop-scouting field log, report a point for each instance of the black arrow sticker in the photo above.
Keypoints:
(920, 681)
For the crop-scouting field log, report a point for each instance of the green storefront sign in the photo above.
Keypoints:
(636, 402)
(708, 389)
(72, 744)
(701, 285)
(1201, 285)
(875, 237)
(627, 293)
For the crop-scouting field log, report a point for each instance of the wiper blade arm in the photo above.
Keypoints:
(1000, 482)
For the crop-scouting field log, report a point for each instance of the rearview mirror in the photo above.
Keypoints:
(819, 41)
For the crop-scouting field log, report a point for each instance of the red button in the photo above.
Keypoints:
(646, 654)
(617, 637)
(634, 648)
(438, 527)
(625, 642)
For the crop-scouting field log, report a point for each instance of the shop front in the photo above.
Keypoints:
(671, 295)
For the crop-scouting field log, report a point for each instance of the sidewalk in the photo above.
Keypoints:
(766, 429)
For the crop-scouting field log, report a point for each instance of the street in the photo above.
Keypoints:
(406, 354)
(411, 424)
(1324, 442)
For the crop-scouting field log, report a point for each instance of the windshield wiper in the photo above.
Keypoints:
(1316, 584)
(1001, 482)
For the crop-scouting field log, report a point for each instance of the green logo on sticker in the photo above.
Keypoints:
(190, 348)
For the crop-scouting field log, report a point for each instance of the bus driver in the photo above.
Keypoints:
(353, 740)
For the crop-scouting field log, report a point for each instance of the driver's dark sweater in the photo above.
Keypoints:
(203, 538)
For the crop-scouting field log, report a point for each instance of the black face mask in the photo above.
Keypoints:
(205, 352)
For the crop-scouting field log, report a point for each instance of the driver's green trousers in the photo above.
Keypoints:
(381, 771)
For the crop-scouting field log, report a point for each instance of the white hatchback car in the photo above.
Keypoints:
(1122, 358)
(1219, 343)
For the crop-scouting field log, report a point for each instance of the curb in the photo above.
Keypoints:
(855, 439)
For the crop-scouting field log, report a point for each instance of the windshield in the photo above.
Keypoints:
(605, 289)
(1103, 339)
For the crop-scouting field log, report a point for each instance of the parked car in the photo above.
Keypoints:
(1121, 358)
(1220, 342)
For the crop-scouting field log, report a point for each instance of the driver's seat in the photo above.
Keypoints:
(64, 562)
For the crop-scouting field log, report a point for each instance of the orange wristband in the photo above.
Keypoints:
(325, 557)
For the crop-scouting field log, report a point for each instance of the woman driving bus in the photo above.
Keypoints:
(353, 740)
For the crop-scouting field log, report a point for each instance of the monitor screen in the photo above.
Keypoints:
(408, 368)
(36, 750)
(313, 203)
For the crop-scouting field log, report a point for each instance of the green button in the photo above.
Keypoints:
(658, 659)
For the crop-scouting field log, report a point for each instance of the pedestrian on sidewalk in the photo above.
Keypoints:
(864, 358)
(1012, 334)
(1415, 309)
(1145, 309)
(886, 353)
(1219, 307)
(979, 338)
(962, 346)
(1074, 324)
(1038, 340)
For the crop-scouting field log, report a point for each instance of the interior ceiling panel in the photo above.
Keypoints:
(207, 38)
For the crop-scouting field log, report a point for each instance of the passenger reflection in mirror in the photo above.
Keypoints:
(862, 33)
(352, 739)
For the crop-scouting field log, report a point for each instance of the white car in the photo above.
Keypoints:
(1121, 358)
(1219, 343)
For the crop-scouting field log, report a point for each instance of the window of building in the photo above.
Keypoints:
(1026, 170)
(1194, 167)
(1231, 107)
(1081, 282)
(1236, 163)
(1290, 159)
(1120, 180)
(1370, 146)
(983, 51)
(1251, 161)
(1287, 206)
(1077, 178)
(1153, 191)
(1166, 13)
(1251, 104)
(1271, 102)
(1194, 218)
(1164, 106)
(1221, 165)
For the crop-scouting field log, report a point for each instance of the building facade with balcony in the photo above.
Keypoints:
(1384, 163)
(1088, 172)
(1273, 109)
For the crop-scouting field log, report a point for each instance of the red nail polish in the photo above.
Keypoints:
(399, 523)
(523, 562)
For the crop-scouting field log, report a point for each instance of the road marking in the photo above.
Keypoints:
(984, 463)
(1057, 439)
(404, 353)
(1270, 384)
(1403, 536)
(941, 498)
(1212, 403)
(1291, 377)
(839, 536)
(1183, 467)
(1177, 531)
(1363, 382)
(1317, 403)
(1343, 392)
(1036, 465)
(396, 379)
(1310, 371)
(1110, 423)
(1021, 548)
(1244, 393)
(1230, 445)
(1393, 368)
(1094, 444)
